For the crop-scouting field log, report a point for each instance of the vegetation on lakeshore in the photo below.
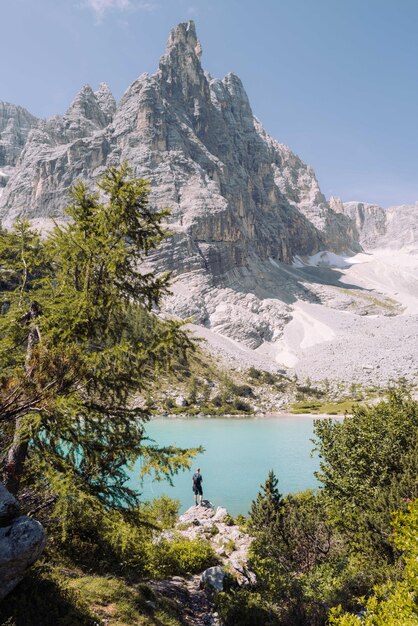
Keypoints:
(201, 386)
(346, 554)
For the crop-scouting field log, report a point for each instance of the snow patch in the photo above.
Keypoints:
(328, 259)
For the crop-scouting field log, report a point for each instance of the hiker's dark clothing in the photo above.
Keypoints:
(197, 484)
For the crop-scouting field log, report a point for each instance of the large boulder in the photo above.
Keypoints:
(9, 507)
(213, 578)
(22, 541)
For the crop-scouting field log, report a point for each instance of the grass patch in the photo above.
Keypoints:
(120, 604)
(45, 598)
(339, 407)
(57, 597)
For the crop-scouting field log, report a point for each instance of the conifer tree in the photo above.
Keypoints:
(266, 509)
(78, 340)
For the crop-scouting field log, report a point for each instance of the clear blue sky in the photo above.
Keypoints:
(336, 80)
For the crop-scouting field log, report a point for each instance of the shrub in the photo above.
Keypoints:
(244, 608)
(162, 511)
(180, 557)
(240, 405)
(253, 372)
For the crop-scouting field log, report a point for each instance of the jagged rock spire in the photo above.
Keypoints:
(180, 68)
(182, 41)
(86, 106)
(106, 100)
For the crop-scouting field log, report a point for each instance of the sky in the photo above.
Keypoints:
(335, 80)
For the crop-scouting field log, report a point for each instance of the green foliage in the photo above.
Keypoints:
(369, 468)
(245, 608)
(192, 391)
(229, 520)
(240, 405)
(180, 556)
(162, 511)
(266, 511)
(260, 376)
(395, 602)
(331, 552)
(287, 548)
(99, 539)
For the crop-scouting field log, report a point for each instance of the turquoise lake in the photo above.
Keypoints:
(238, 455)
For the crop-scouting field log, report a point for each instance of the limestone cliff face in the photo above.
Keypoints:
(243, 205)
(375, 227)
(57, 151)
(15, 126)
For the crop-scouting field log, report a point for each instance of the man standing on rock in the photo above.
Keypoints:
(197, 486)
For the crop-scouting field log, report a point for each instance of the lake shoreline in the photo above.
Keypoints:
(260, 416)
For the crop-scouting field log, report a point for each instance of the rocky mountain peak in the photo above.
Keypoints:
(15, 125)
(180, 69)
(106, 100)
(182, 42)
(86, 106)
(336, 204)
(241, 203)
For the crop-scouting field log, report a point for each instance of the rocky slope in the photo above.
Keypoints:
(248, 218)
(196, 594)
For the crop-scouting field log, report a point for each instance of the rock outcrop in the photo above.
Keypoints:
(227, 539)
(196, 594)
(22, 541)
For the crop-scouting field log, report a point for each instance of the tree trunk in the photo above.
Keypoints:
(18, 451)
(16, 459)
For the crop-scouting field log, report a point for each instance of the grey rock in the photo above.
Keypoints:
(200, 514)
(106, 101)
(376, 227)
(151, 605)
(220, 514)
(9, 506)
(21, 543)
(213, 578)
(15, 126)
